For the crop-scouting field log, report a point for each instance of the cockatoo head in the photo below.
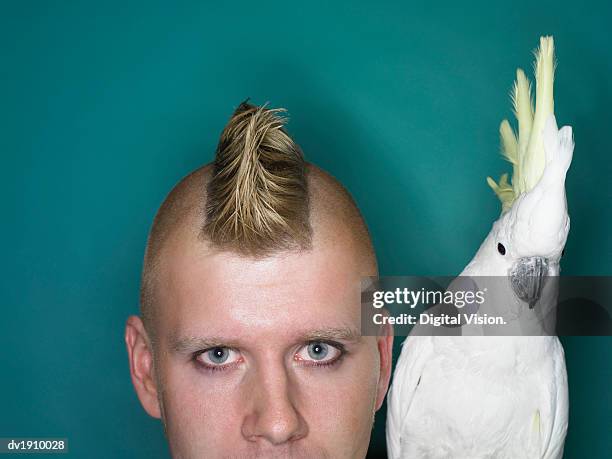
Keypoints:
(527, 241)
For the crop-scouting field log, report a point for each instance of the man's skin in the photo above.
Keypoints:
(230, 372)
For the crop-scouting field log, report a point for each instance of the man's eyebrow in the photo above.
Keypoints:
(331, 333)
(190, 344)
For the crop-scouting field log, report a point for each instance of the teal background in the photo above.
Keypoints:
(105, 105)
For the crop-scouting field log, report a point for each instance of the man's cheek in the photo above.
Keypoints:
(341, 403)
(203, 405)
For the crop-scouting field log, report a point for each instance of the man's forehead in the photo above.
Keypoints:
(196, 263)
(212, 286)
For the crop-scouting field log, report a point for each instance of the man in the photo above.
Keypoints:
(249, 344)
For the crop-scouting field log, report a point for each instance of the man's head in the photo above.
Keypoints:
(249, 344)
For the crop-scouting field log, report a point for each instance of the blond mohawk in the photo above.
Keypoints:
(257, 198)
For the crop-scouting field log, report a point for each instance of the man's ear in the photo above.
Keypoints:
(384, 342)
(140, 355)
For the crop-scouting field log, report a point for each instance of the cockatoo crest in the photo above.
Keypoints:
(526, 154)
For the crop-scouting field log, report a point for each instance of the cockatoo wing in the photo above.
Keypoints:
(416, 351)
(555, 424)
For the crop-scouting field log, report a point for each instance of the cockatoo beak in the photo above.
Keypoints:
(527, 278)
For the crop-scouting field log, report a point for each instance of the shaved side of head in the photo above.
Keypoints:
(258, 199)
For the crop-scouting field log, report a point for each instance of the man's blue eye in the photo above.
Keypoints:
(218, 355)
(318, 351)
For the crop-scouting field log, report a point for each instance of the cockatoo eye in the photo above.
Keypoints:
(501, 249)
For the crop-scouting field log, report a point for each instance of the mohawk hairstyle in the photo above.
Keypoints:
(257, 197)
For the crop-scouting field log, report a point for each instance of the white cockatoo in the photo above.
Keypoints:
(500, 396)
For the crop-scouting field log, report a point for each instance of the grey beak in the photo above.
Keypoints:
(527, 278)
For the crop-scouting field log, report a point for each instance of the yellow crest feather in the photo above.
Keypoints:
(526, 153)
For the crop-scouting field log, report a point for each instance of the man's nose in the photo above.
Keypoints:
(273, 415)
